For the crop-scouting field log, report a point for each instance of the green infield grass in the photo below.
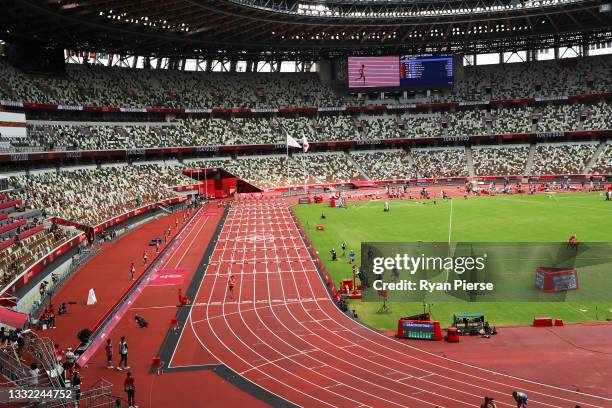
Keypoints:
(521, 218)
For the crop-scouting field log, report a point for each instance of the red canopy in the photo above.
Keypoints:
(13, 319)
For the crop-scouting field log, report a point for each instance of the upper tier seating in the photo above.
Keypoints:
(97, 85)
(123, 87)
(535, 79)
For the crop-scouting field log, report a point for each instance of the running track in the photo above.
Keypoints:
(281, 331)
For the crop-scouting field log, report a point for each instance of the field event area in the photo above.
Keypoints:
(537, 219)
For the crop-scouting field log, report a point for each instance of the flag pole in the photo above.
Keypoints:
(287, 143)
(304, 150)
(206, 183)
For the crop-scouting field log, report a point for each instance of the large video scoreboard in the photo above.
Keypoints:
(426, 70)
(401, 71)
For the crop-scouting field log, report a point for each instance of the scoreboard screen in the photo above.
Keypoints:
(553, 280)
(565, 282)
(418, 330)
(373, 72)
(401, 71)
(426, 70)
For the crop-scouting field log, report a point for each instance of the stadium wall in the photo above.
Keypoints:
(23, 278)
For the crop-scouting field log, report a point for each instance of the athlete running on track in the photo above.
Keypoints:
(520, 398)
(230, 284)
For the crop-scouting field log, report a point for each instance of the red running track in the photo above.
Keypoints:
(157, 304)
(281, 331)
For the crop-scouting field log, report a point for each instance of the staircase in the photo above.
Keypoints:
(42, 349)
(470, 161)
(530, 157)
(357, 166)
(593, 159)
(412, 164)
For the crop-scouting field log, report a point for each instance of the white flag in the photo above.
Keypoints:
(305, 144)
(292, 142)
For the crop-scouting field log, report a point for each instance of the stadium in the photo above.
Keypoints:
(306, 203)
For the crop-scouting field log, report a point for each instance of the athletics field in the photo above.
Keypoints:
(541, 218)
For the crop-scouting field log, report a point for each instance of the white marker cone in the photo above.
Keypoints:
(91, 298)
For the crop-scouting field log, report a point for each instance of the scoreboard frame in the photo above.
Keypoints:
(548, 279)
(399, 87)
(419, 330)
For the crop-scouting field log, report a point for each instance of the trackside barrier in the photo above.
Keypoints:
(320, 188)
(542, 322)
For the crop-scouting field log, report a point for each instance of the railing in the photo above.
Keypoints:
(17, 374)
(43, 350)
(14, 371)
(99, 395)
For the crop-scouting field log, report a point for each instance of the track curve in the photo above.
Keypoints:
(281, 331)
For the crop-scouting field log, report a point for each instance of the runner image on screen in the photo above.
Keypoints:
(362, 74)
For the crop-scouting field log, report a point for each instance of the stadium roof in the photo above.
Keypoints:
(306, 28)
